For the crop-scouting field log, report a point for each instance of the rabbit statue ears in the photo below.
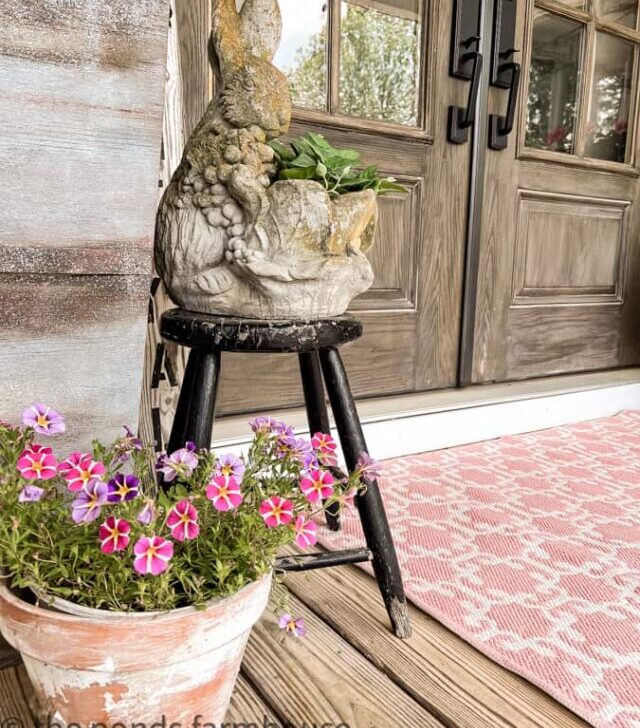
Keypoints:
(242, 28)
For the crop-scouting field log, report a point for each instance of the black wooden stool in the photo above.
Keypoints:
(316, 343)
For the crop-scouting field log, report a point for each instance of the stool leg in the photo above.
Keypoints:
(317, 414)
(370, 505)
(196, 405)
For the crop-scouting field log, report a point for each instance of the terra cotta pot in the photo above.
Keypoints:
(157, 668)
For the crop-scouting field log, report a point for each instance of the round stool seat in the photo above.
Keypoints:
(226, 333)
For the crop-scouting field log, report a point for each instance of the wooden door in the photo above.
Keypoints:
(372, 75)
(558, 288)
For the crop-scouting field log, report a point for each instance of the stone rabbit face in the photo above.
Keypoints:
(253, 91)
(257, 94)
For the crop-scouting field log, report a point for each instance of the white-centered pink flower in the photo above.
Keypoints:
(183, 521)
(224, 493)
(37, 463)
(153, 554)
(306, 532)
(114, 535)
(276, 511)
(79, 468)
(317, 485)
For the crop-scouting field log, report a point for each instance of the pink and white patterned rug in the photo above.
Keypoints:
(528, 547)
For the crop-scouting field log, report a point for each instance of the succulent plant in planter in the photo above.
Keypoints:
(133, 602)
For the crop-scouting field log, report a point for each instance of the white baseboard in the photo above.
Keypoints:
(439, 423)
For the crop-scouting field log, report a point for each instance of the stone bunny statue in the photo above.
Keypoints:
(228, 239)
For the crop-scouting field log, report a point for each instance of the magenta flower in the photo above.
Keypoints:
(293, 627)
(183, 521)
(123, 488)
(79, 468)
(114, 535)
(230, 466)
(148, 514)
(276, 511)
(43, 419)
(326, 447)
(37, 463)
(317, 485)
(368, 468)
(88, 503)
(153, 555)
(306, 532)
(179, 464)
(30, 494)
(224, 493)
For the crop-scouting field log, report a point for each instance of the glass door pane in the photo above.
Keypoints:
(554, 82)
(610, 99)
(303, 51)
(380, 45)
(619, 11)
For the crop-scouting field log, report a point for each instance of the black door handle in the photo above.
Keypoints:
(461, 119)
(501, 126)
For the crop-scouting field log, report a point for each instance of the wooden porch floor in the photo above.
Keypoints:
(351, 670)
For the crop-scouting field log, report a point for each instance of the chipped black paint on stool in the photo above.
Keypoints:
(316, 343)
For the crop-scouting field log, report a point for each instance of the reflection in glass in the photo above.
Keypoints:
(619, 11)
(553, 82)
(610, 99)
(380, 59)
(303, 51)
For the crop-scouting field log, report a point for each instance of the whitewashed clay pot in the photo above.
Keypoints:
(106, 667)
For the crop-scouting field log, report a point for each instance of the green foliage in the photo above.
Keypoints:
(42, 549)
(311, 157)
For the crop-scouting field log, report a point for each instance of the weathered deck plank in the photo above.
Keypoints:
(443, 673)
(323, 679)
(14, 703)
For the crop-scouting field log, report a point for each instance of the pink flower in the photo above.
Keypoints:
(224, 493)
(293, 627)
(37, 463)
(43, 419)
(183, 521)
(79, 468)
(153, 555)
(114, 535)
(276, 511)
(317, 485)
(325, 446)
(306, 533)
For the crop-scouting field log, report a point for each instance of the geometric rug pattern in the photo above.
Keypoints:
(528, 547)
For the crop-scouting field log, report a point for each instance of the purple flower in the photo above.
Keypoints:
(31, 494)
(123, 488)
(181, 464)
(291, 626)
(368, 468)
(293, 447)
(148, 514)
(87, 506)
(230, 466)
(43, 419)
(127, 444)
(262, 425)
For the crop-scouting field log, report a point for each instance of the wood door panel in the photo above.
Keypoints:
(569, 249)
(546, 341)
(256, 382)
(558, 283)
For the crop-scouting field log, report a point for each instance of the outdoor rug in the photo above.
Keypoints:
(528, 547)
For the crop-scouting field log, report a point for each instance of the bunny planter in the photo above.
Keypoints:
(229, 239)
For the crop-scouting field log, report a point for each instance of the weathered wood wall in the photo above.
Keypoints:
(188, 90)
(81, 117)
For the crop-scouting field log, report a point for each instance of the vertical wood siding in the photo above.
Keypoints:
(81, 118)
